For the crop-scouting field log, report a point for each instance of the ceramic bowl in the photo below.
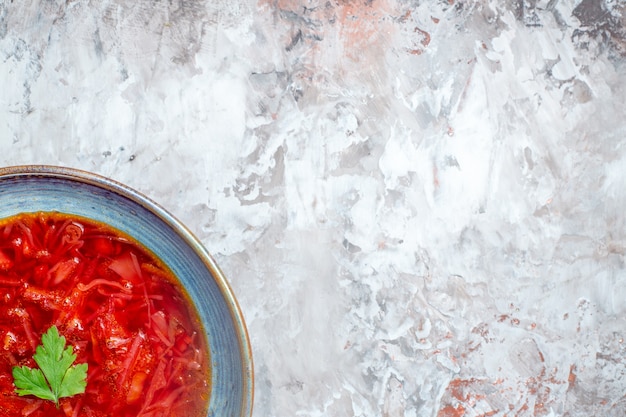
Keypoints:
(50, 188)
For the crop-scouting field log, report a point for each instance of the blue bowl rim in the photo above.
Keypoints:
(108, 184)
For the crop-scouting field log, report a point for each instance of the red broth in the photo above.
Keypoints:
(123, 312)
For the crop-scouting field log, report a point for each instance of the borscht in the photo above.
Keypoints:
(133, 345)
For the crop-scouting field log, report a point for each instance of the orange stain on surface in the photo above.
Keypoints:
(463, 395)
(449, 411)
(571, 379)
(460, 389)
(424, 41)
(531, 396)
(362, 24)
(352, 28)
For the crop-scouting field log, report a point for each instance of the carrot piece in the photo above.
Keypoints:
(136, 387)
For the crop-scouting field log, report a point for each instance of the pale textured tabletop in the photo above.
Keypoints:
(419, 205)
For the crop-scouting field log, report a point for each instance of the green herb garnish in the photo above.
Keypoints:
(56, 377)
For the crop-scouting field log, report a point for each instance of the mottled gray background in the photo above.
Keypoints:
(419, 205)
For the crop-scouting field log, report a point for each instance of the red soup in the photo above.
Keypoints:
(119, 309)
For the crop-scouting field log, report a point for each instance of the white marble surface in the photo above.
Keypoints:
(419, 205)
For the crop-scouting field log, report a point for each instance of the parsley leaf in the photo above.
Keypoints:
(56, 377)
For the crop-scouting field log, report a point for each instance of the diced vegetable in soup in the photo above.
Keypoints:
(74, 288)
